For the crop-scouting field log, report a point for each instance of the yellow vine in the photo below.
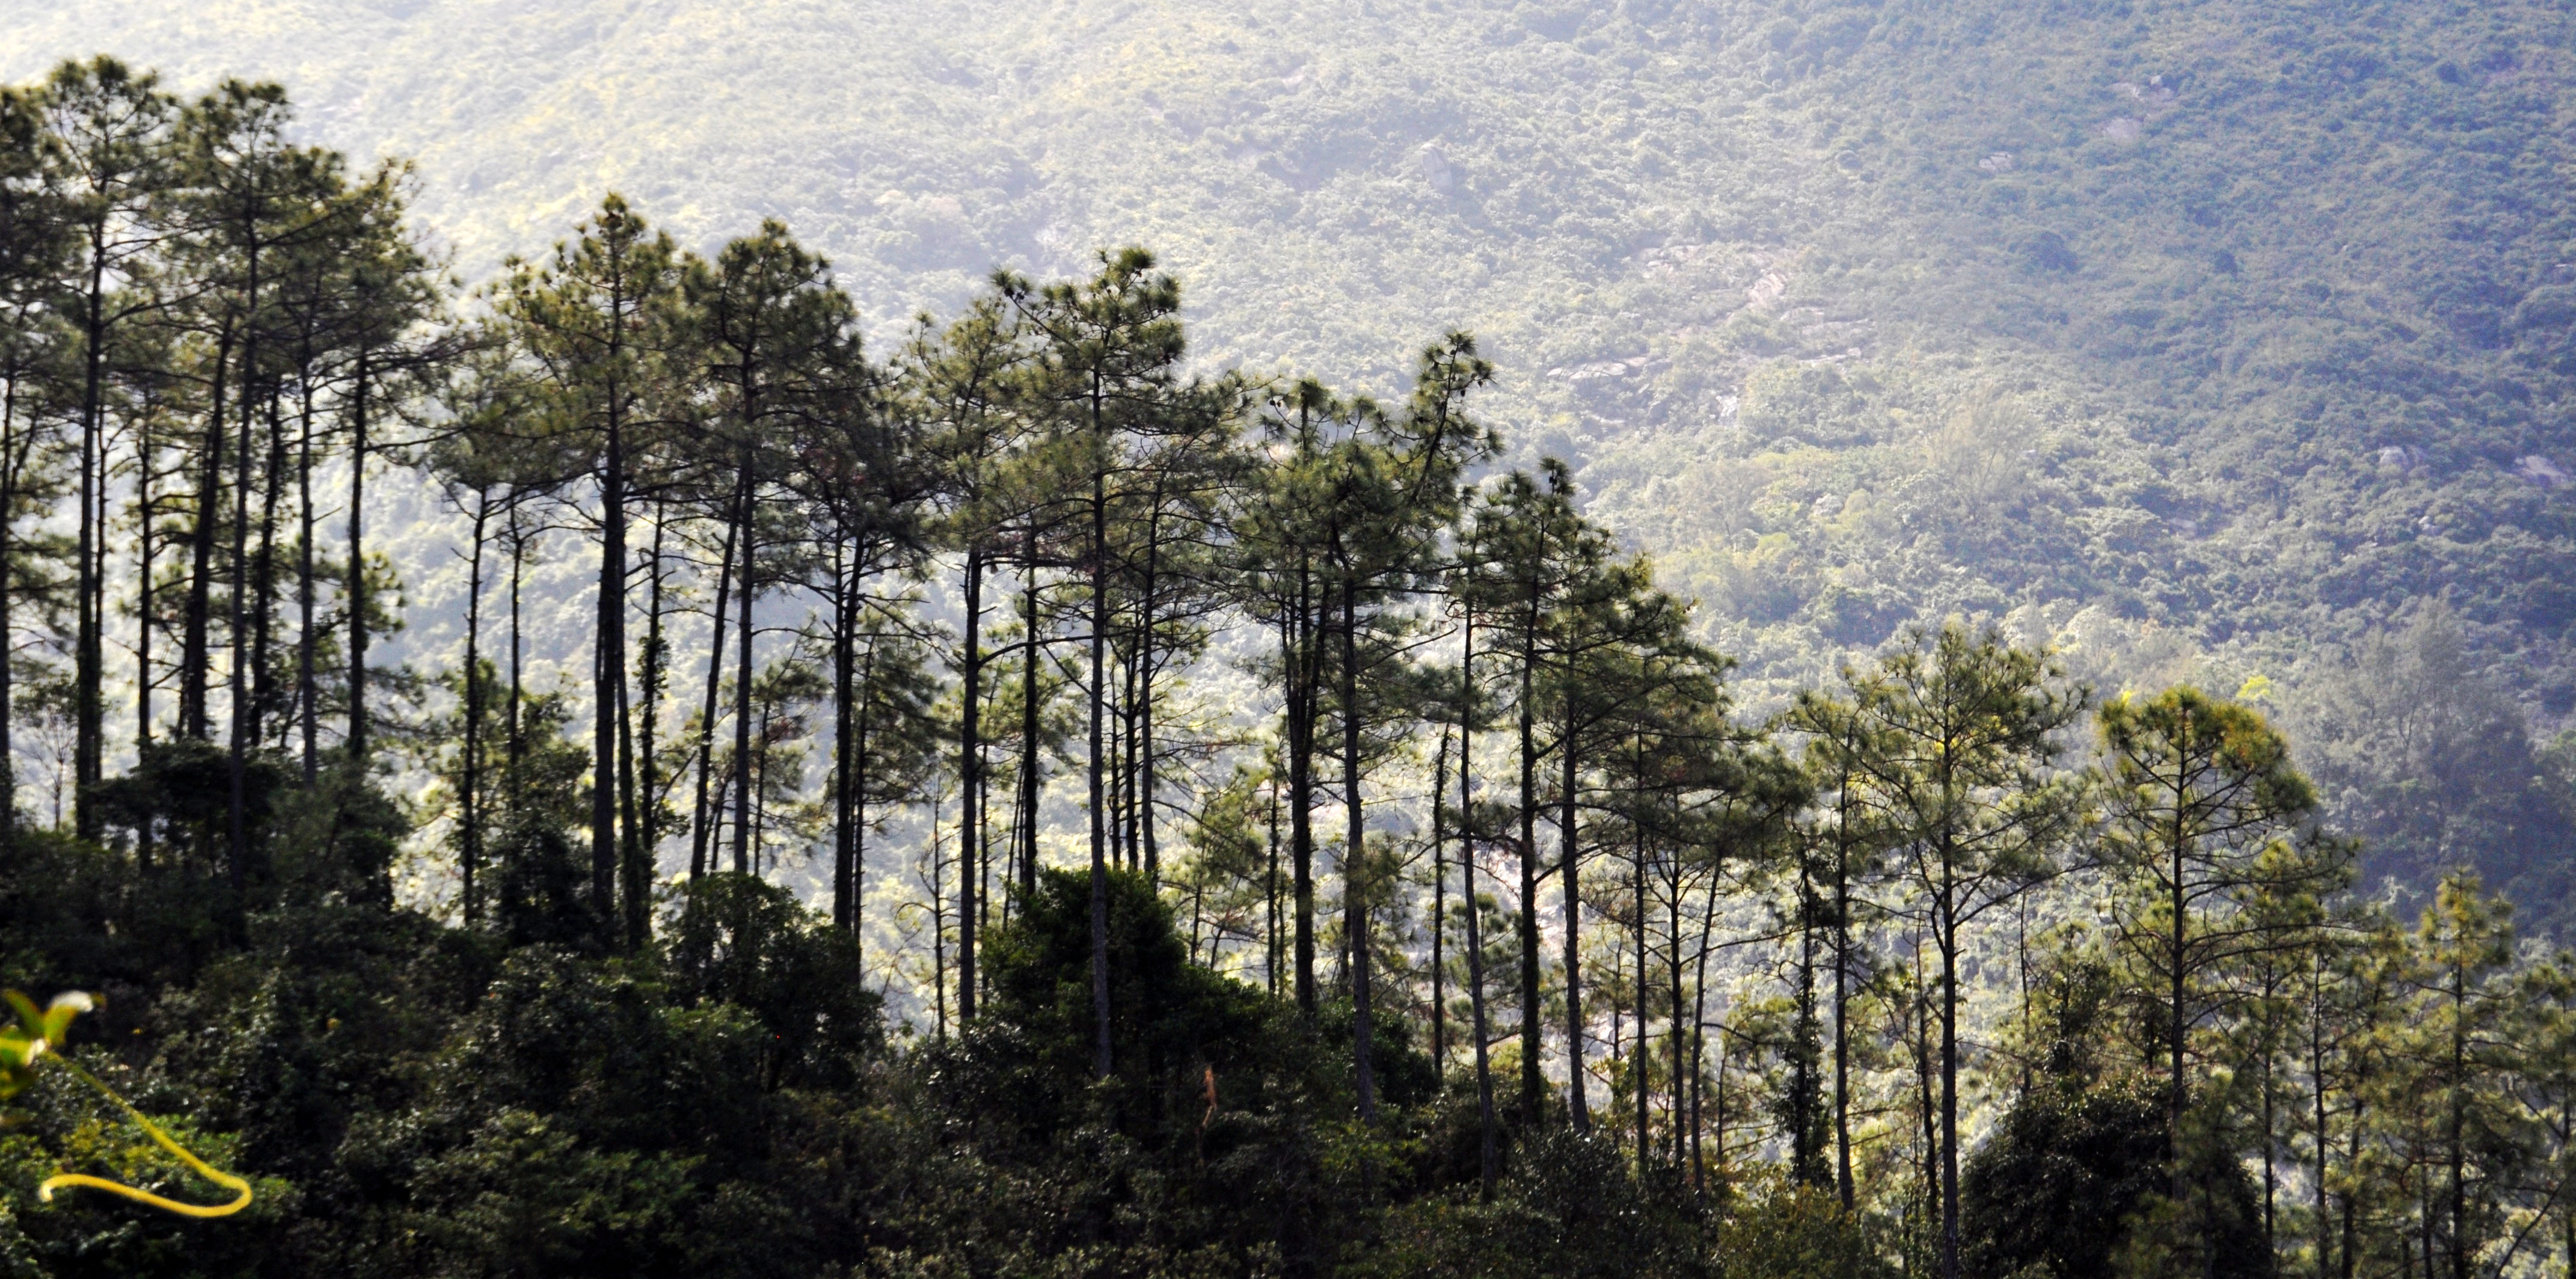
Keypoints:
(23, 1045)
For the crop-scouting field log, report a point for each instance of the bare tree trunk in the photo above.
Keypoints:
(307, 684)
(89, 660)
(1025, 819)
(1570, 855)
(237, 755)
(1298, 643)
(1355, 914)
(358, 603)
(517, 746)
(11, 451)
(2317, 1080)
(1639, 1059)
(145, 618)
(702, 818)
(844, 723)
(1439, 904)
(470, 850)
(657, 667)
(1099, 692)
(743, 674)
(196, 659)
(1486, 1158)
(1533, 1084)
(1842, 999)
(970, 771)
(635, 871)
(1946, 924)
(608, 651)
(263, 595)
(1276, 940)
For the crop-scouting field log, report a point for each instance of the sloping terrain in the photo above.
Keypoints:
(2227, 340)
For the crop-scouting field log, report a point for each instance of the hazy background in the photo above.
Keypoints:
(2210, 341)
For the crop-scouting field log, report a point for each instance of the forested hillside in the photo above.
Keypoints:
(1693, 641)
(2214, 339)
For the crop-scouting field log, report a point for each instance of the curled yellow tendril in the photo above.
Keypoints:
(23, 1045)
(241, 1198)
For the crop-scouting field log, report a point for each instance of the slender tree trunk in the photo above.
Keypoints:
(608, 654)
(2317, 1081)
(241, 712)
(1439, 905)
(2349, 1255)
(1099, 691)
(2271, 1241)
(1355, 913)
(1674, 1033)
(2174, 1096)
(970, 771)
(1842, 996)
(1270, 895)
(1026, 810)
(859, 792)
(1639, 1058)
(10, 452)
(634, 775)
(1927, 1105)
(1146, 663)
(1122, 764)
(307, 685)
(263, 594)
(2459, 1196)
(1570, 855)
(89, 749)
(470, 796)
(702, 819)
(1487, 1155)
(938, 931)
(358, 602)
(657, 668)
(1299, 643)
(743, 673)
(145, 617)
(1533, 1084)
(1806, 1161)
(1947, 923)
(635, 872)
(517, 746)
(1699, 1051)
(844, 723)
(196, 658)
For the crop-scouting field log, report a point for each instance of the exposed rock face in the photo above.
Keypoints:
(2532, 468)
(1436, 170)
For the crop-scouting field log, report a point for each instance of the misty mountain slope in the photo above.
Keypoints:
(2207, 340)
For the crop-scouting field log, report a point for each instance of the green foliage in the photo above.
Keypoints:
(2075, 1179)
(736, 940)
(1177, 1031)
(2111, 394)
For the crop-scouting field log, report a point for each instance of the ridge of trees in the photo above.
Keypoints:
(1157, 1055)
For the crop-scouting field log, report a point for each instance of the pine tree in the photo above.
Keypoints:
(1109, 349)
(2204, 815)
(110, 129)
(1962, 731)
(959, 382)
(588, 321)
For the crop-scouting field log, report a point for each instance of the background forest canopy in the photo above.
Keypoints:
(1294, 837)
